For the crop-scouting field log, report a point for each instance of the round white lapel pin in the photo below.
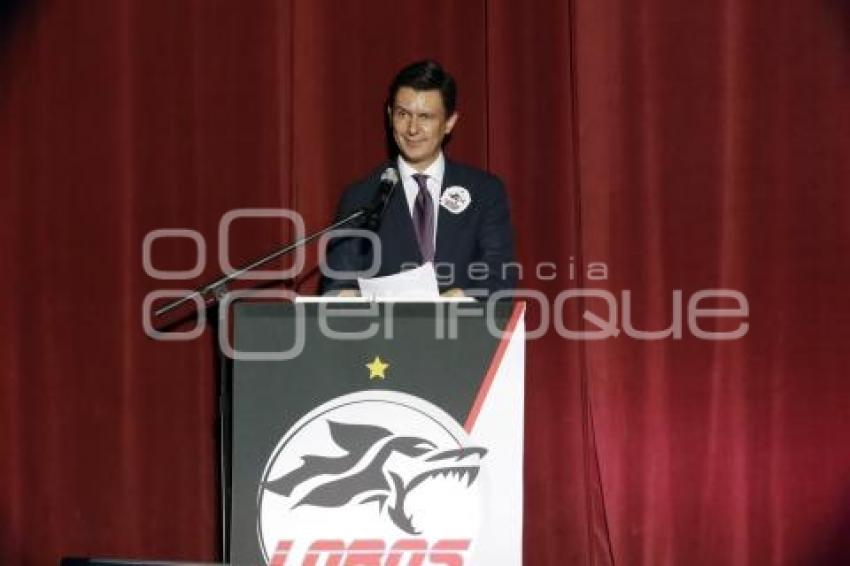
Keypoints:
(455, 199)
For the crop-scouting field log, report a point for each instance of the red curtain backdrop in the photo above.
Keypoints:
(685, 146)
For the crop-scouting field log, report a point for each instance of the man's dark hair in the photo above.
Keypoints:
(426, 75)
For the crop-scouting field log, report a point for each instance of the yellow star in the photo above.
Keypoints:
(377, 368)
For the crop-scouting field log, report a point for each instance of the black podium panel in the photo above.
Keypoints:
(295, 360)
(121, 562)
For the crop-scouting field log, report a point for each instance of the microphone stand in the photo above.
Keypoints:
(216, 290)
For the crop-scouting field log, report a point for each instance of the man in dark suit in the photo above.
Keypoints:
(441, 211)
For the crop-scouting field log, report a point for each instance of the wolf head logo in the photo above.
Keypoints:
(374, 466)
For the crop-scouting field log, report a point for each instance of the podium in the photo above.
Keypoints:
(385, 434)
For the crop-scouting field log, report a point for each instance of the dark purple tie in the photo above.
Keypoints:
(423, 218)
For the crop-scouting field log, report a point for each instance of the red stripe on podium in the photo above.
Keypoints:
(483, 391)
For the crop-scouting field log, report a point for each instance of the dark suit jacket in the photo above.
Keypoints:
(473, 246)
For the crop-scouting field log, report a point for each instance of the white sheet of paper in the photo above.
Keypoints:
(418, 284)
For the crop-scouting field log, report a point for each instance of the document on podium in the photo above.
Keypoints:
(419, 284)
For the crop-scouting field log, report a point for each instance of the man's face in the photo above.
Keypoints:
(419, 124)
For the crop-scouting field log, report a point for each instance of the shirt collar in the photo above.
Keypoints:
(435, 171)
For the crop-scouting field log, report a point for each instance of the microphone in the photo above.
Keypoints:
(375, 210)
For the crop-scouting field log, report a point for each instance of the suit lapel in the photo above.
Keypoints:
(448, 224)
(397, 228)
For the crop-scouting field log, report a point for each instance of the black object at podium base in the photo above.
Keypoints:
(73, 561)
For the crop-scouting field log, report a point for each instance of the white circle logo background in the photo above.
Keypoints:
(442, 507)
